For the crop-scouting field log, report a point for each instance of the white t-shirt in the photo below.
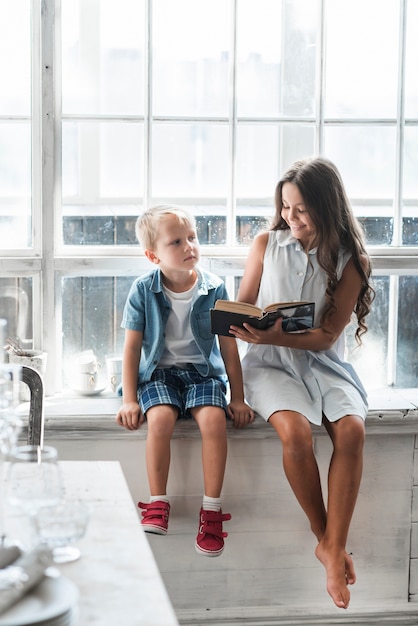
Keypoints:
(180, 346)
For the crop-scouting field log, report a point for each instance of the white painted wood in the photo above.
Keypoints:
(268, 573)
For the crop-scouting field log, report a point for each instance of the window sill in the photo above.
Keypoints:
(73, 417)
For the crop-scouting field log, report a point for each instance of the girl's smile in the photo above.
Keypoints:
(296, 215)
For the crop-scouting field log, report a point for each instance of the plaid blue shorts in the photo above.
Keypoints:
(183, 388)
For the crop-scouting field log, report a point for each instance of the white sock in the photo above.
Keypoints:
(211, 504)
(155, 498)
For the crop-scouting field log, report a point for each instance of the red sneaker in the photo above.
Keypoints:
(155, 517)
(210, 538)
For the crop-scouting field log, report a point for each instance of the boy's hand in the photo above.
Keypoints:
(130, 416)
(240, 413)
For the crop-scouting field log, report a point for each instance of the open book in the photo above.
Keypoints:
(296, 316)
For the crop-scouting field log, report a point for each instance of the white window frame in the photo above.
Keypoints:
(47, 262)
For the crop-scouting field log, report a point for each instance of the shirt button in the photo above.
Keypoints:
(300, 273)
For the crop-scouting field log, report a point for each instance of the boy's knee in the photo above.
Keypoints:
(161, 420)
(211, 420)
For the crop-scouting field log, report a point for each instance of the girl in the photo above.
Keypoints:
(314, 251)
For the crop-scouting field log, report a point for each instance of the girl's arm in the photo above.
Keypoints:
(129, 414)
(321, 338)
(250, 283)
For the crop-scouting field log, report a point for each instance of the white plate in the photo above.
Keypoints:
(52, 597)
(89, 392)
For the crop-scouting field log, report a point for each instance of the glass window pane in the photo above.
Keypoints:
(103, 56)
(190, 160)
(276, 51)
(407, 347)
(410, 179)
(410, 187)
(411, 67)
(16, 309)
(370, 360)
(102, 165)
(15, 185)
(263, 152)
(15, 57)
(91, 315)
(362, 43)
(191, 48)
(365, 157)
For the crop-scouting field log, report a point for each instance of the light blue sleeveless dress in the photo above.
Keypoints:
(309, 382)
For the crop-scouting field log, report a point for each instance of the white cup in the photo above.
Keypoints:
(86, 362)
(114, 371)
(85, 382)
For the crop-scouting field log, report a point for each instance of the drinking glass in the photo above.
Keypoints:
(60, 526)
(33, 478)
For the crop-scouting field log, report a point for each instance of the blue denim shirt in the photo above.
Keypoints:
(147, 310)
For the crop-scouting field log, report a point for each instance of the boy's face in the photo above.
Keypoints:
(176, 247)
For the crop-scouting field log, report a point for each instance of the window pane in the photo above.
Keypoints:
(362, 42)
(15, 185)
(103, 56)
(190, 160)
(191, 42)
(16, 309)
(102, 165)
(410, 187)
(263, 152)
(411, 68)
(370, 360)
(15, 58)
(366, 160)
(91, 315)
(407, 347)
(276, 49)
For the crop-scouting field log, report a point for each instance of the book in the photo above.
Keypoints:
(297, 316)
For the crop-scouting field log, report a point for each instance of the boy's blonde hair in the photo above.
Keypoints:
(147, 224)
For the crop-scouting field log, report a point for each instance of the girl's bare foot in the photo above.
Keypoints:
(340, 573)
(350, 574)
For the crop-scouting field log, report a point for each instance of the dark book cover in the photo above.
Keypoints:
(295, 319)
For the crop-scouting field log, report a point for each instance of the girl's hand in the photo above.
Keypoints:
(130, 416)
(272, 336)
(240, 413)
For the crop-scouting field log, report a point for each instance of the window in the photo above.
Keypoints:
(131, 103)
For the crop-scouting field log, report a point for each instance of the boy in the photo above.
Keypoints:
(173, 365)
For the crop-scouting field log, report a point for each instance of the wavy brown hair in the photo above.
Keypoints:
(326, 201)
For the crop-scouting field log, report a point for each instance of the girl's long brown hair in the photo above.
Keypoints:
(326, 201)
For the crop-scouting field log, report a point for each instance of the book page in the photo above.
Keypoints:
(238, 307)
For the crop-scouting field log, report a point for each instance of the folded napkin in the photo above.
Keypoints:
(24, 573)
(8, 555)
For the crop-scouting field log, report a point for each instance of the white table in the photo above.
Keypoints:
(117, 575)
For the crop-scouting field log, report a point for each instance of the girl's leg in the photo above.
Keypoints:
(300, 466)
(347, 435)
(212, 425)
(161, 420)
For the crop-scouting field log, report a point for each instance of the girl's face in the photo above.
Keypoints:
(295, 214)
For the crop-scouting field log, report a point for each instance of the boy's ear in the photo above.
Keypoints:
(151, 256)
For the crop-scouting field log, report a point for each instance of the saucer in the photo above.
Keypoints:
(51, 598)
(89, 392)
